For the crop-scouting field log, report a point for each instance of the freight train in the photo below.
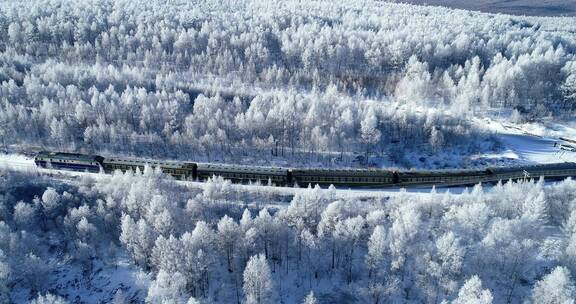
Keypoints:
(301, 176)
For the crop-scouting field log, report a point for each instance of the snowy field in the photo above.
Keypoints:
(531, 143)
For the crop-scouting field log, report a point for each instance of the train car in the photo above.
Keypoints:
(179, 170)
(344, 177)
(69, 161)
(442, 177)
(548, 171)
(244, 174)
(304, 177)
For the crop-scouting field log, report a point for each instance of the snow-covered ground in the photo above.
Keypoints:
(531, 143)
(107, 280)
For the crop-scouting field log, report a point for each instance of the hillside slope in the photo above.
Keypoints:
(514, 7)
(356, 83)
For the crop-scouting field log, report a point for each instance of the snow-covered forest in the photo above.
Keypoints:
(168, 242)
(273, 81)
(325, 83)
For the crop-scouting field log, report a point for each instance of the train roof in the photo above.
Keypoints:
(240, 169)
(344, 172)
(385, 172)
(70, 156)
(137, 162)
(457, 172)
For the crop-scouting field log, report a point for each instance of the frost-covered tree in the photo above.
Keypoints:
(246, 220)
(24, 215)
(258, 282)
(138, 237)
(4, 276)
(192, 300)
(228, 233)
(349, 233)
(327, 225)
(436, 139)
(555, 287)
(166, 254)
(403, 231)
(377, 292)
(370, 132)
(535, 207)
(447, 266)
(569, 86)
(413, 247)
(51, 201)
(100, 81)
(265, 228)
(168, 288)
(197, 256)
(48, 299)
(377, 246)
(472, 292)
(160, 214)
(120, 297)
(417, 82)
(310, 298)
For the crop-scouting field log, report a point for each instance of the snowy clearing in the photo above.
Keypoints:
(531, 143)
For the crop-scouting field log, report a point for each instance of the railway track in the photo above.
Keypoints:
(343, 178)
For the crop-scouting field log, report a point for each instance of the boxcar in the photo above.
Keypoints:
(179, 170)
(69, 161)
(304, 177)
(548, 171)
(244, 174)
(344, 177)
(442, 177)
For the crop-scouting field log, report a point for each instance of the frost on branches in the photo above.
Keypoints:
(273, 81)
(511, 243)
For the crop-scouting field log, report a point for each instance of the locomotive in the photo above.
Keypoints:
(304, 176)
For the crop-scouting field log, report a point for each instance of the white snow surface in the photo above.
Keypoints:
(536, 143)
(70, 282)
